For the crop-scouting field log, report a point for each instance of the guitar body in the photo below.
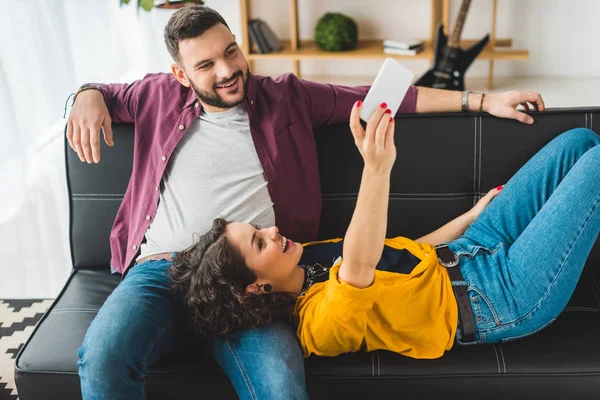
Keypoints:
(450, 63)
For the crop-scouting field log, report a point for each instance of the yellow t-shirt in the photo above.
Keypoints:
(413, 314)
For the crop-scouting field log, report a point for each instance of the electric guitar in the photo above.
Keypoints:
(450, 61)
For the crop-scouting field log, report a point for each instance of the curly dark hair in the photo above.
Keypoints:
(211, 278)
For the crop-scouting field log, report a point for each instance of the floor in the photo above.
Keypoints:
(17, 321)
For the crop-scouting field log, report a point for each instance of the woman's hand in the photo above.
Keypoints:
(376, 145)
(483, 203)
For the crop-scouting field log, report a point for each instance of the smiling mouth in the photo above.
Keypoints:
(228, 84)
(286, 244)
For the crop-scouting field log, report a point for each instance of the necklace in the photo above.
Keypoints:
(311, 272)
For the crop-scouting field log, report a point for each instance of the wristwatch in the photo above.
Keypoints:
(465, 100)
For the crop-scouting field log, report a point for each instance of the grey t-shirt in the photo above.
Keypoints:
(214, 172)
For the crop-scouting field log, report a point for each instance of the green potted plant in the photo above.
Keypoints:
(336, 32)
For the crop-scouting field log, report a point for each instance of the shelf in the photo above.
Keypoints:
(374, 49)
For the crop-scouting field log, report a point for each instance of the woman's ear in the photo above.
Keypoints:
(258, 288)
(253, 288)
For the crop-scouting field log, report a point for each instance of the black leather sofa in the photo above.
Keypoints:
(445, 163)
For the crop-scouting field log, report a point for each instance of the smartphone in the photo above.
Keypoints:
(390, 86)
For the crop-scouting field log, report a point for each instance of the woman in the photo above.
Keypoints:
(520, 261)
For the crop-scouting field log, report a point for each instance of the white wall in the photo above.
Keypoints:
(561, 36)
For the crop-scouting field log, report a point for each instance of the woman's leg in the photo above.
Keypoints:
(541, 232)
(137, 325)
(545, 262)
(524, 195)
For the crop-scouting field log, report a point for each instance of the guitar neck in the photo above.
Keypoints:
(454, 39)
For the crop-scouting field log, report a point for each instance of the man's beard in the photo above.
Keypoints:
(215, 100)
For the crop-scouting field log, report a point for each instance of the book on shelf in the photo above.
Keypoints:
(263, 36)
(257, 38)
(405, 52)
(406, 44)
(270, 37)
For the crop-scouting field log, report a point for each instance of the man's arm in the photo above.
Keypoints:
(329, 104)
(449, 232)
(503, 105)
(121, 100)
(96, 108)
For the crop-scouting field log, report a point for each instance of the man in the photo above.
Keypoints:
(212, 139)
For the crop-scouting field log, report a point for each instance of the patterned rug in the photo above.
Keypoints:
(17, 320)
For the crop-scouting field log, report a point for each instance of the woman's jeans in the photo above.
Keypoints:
(522, 257)
(140, 323)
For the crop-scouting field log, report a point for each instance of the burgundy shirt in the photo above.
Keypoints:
(283, 112)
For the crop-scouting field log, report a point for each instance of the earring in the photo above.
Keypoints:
(267, 288)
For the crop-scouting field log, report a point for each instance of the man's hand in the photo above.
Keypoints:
(504, 105)
(88, 115)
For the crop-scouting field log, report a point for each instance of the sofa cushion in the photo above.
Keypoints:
(562, 357)
(445, 163)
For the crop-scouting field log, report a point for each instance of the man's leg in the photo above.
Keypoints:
(138, 324)
(263, 363)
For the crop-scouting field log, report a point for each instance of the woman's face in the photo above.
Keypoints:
(272, 257)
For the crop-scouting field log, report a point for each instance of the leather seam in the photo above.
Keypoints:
(74, 311)
(474, 157)
(497, 359)
(502, 355)
(582, 309)
(98, 194)
(96, 199)
(479, 163)
(594, 287)
(373, 364)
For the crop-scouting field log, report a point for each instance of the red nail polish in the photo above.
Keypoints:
(388, 111)
(383, 105)
(499, 187)
(358, 103)
(391, 119)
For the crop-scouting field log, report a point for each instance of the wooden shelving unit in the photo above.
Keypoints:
(296, 50)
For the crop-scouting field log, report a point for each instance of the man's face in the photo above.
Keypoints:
(215, 67)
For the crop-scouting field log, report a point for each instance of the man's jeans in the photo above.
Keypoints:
(522, 257)
(140, 323)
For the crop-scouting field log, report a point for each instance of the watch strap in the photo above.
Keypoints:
(465, 100)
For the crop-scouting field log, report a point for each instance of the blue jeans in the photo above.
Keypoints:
(140, 323)
(522, 257)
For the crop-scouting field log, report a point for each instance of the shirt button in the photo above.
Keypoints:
(197, 105)
(163, 158)
(148, 217)
(181, 127)
(156, 187)
(251, 102)
(426, 254)
(134, 247)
